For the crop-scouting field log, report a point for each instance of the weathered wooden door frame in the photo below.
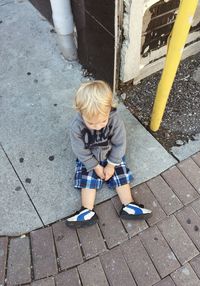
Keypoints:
(132, 66)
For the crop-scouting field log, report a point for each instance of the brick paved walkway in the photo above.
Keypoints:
(164, 251)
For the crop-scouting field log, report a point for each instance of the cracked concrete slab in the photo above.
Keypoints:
(187, 150)
(17, 212)
(37, 89)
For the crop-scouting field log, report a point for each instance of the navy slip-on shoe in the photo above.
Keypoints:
(83, 217)
(134, 211)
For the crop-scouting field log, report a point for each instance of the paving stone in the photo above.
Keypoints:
(185, 276)
(19, 261)
(177, 238)
(116, 269)
(167, 281)
(67, 244)
(3, 257)
(110, 224)
(91, 240)
(166, 197)
(195, 263)
(143, 194)
(191, 171)
(43, 253)
(196, 158)
(44, 282)
(133, 227)
(159, 251)
(92, 273)
(190, 221)
(139, 262)
(69, 277)
(180, 185)
(196, 206)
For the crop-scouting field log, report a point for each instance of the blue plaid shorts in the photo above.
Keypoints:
(90, 180)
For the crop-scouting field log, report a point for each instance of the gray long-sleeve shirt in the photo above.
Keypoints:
(91, 146)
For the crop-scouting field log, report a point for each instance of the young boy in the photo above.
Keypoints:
(98, 139)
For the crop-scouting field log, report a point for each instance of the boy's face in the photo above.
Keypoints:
(96, 123)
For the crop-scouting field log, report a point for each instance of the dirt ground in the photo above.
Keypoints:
(181, 121)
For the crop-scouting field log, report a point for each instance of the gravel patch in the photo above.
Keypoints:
(181, 120)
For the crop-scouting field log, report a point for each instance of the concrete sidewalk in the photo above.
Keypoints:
(37, 89)
(162, 251)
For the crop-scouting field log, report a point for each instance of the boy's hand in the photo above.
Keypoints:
(99, 171)
(109, 171)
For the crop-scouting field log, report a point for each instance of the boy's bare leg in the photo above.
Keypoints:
(88, 198)
(124, 193)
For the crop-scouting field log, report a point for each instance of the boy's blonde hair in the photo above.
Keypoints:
(94, 98)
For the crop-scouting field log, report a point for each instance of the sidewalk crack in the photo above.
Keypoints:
(22, 184)
(6, 3)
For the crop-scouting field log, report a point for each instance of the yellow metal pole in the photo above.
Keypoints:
(175, 48)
